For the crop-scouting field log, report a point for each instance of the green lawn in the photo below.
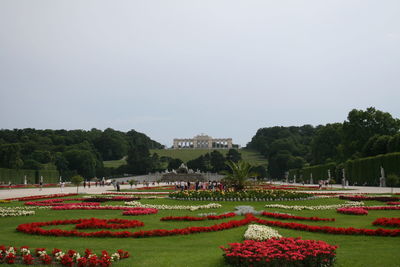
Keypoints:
(114, 163)
(253, 157)
(185, 155)
(202, 249)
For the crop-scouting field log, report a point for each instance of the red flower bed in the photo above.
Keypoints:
(280, 252)
(136, 193)
(387, 222)
(36, 228)
(41, 197)
(363, 198)
(70, 258)
(60, 202)
(393, 203)
(105, 199)
(353, 211)
(286, 217)
(381, 208)
(139, 211)
(329, 229)
(95, 223)
(201, 218)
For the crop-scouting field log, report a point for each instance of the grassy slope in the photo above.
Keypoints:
(185, 155)
(188, 154)
(202, 249)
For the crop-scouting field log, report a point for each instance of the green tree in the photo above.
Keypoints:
(139, 160)
(260, 171)
(392, 180)
(325, 143)
(217, 161)
(81, 161)
(132, 182)
(362, 125)
(238, 174)
(233, 155)
(174, 164)
(76, 180)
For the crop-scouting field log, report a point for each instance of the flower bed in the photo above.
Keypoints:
(393, 203)
(12, 212)
(287, 216)
(139, 211)
(94, 223)
(260, 233)
(115, 198)
(320, 207)
(174, 207)
(395, 222)
(328, 229)
(135, 193)
(201, 218)
(353, 211)
(280, 252)
(36, 228)
(12, 255)
(41, 197)
(247, 195)
(363, 198)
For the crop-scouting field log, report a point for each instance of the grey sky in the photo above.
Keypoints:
(178, 68)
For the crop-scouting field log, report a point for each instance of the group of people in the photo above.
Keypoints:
(198, 185)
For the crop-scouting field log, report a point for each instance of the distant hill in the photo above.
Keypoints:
(253, 157)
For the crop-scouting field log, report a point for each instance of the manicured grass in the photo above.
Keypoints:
(202, 249)
(253, 157)
(114, 163)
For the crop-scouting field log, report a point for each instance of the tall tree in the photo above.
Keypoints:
(362, 125)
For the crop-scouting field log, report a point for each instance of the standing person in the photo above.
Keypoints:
(62, 186)
(84, 184)
(118, 187)
(89, 183)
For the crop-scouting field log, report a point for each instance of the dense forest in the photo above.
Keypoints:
(75, 151)
(365, 133)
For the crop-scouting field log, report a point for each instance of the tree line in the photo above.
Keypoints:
(71, 152)
(365, 133)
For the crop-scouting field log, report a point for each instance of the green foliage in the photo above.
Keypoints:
(233, 155)
(239, 195)
(139, 160)
(238, 174)
(75, 151)
(76, 180)
(362, 125)
(82, 161)
(392, 180)
(174, 164)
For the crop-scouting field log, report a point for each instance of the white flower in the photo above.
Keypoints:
(8, 212)
(115, 257)
(173, 207)
(25, 251)
(260, 232)
(320, 207)
(76, 257)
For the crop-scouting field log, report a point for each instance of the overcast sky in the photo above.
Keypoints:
(172, 68)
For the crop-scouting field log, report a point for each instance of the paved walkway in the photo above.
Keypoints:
(12, 193)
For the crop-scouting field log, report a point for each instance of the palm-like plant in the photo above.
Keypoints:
(238, 174)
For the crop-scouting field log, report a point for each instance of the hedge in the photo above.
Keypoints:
(363, 171)
(32, 176)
